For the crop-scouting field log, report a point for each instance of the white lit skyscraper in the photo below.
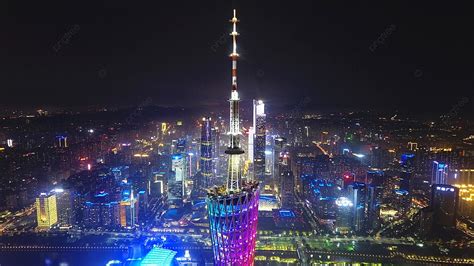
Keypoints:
(259, 139)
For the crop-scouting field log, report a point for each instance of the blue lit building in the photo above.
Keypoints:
(439, 173)
(321, 195)
(158, 256)
(358, 196)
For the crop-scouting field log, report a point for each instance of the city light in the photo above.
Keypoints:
(152, 142)
(344, 202)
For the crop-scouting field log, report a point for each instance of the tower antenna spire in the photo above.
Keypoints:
(234, 55)
(234, 150)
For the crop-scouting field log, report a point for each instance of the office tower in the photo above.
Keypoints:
(464, 180)
(101, 214)
(439, 174)
(233, 208)
(206, 155)
(142, 202)
(46, 211)
(357, 195)
(343, 222)
(259, 140)
(250, 144)
(280, 143)
(444, 203)
(407, 169)
(128, 211)
(181, 145)
(287, 192)
(270, 156)
(374, 202)
(91, 214)
(64, 207)
(176, 182)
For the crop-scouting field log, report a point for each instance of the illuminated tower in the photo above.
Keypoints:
(260, 139)
(206, 152)
(439, 174)
(233, 207)
(176, 185)
(46, 212)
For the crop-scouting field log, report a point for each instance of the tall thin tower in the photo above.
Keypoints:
(234, 151)
(233, 207)
(206, 153)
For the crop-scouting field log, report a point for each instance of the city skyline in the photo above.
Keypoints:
(317, 149)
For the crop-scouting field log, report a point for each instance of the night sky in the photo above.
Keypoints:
(176, 53)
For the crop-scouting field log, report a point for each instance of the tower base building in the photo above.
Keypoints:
(233, 224)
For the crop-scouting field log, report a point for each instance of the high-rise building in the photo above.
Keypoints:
(129, 212)
(205, 165)
(357, 195)
(101, 214)
(177, 182)
(343, 222)
(250, 144)
(233, 208)
(142, 215)
(444, 203)
(439, 173)
(64, 207)
(374, 202)
(259, 140)
(287, 192)
(46, 211)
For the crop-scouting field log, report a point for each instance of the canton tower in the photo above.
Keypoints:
(233, 207)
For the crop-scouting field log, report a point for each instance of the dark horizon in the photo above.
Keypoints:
(115, 54)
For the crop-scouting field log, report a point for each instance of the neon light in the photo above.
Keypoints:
(233, 224)
(159, 256)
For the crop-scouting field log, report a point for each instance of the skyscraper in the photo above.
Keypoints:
(176, 183)
(259, 139)
(128, 211)
(233, 208)
(343, 215)
(46, 211)
(444, 203)
(206, 155)
(357, 195)
(64, 207)
(439, 173)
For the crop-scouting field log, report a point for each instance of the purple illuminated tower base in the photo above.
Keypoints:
(233, 224)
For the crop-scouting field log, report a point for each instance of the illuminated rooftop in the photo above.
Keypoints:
(158, 256)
